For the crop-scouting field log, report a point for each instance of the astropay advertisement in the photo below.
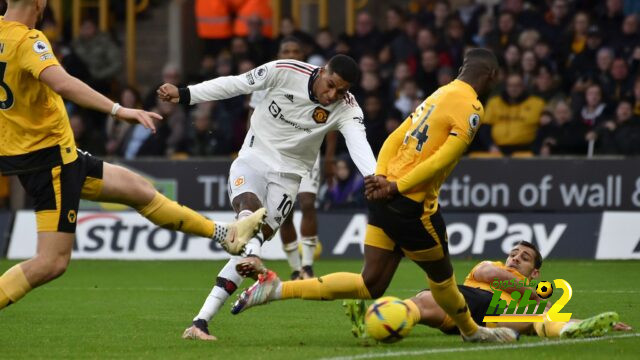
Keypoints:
(129, 236)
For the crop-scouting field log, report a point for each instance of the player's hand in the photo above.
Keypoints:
(379, 188)
(169, 93)
(135, 116)
(620, 326)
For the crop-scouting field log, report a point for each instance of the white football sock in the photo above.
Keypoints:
(293, 256)
(219, 295)
(277, 294)
(308, 249)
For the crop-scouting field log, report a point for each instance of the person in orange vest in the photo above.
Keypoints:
(213, 23)
(249, 9)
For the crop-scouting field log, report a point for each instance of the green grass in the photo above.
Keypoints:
(121, 309)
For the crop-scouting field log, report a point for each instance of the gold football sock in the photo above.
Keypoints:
(13, 286)
(549, 328)
(173, 216)
(329, 287)
(414, 312)
(452, 302)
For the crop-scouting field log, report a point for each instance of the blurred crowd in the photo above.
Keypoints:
(569, 79)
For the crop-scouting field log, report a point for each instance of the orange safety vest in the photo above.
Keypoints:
(213, 19)
(251, 8)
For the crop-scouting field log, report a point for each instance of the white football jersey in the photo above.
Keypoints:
(288, 125)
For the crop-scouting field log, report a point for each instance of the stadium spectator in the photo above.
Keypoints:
(506, 34)
(117, 130)
(556, 19)
(514, 117)
(610, 17)
(511, 58)
(560, 133)
(346, 191)
(628, 39)
(101, 55)
(87, 139)
(326, 45)
(408, 97)
(367, 37)
(546, 85)
(620, 85)
(402, 46)
(427, 76)
(170, 133)
(374, 121)
(620, 135)
(594, 110)
(205, 138)
(529, 67)
(583, 65)
(170, 74)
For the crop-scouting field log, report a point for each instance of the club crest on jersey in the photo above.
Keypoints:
(320, 115)
(474, 122)
(239, 181)
(260, 73)
(40, 47)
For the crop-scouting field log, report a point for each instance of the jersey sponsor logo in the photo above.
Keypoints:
(276, 112)
(46, 57)
(250, 79)
(289, 97)
(320, 115)
(40, 47)
(260, 73)
(274, 109)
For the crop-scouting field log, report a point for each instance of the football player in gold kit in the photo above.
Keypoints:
(524, 262)
(37, 144)
(404, 217)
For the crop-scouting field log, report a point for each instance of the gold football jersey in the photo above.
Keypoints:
(34, 127)
(414, 154)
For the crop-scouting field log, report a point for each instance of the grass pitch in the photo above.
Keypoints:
(126, 309)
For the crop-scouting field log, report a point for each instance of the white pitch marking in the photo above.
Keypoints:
(478, 348)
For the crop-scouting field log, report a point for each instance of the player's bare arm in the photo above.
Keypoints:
(71, 88)
(487, 272)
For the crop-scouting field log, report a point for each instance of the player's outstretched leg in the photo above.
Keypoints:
(445, 291)
(120, 185)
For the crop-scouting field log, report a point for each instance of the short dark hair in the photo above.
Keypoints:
(346, 67)
(288, 39)
(538, 260)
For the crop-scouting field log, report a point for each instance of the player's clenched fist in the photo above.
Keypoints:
(377, 187)
(168, 92)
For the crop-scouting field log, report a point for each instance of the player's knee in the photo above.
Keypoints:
(307, 203)
(375, 286)
(143, 189)
(54, 266)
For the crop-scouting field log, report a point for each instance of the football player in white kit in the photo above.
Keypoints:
(302, 104)
(301, 262)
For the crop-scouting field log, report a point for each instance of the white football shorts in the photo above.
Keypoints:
(276, 191)
(311, 182)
